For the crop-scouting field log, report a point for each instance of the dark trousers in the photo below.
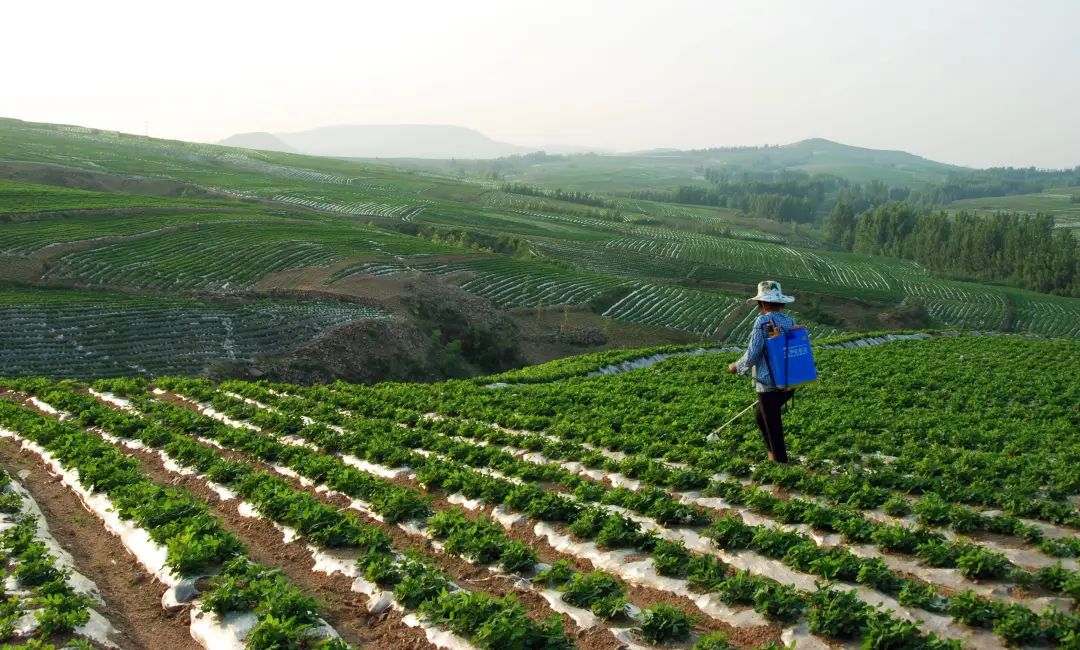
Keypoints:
(768, 420)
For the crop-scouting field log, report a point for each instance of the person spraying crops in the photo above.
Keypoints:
(770, 397)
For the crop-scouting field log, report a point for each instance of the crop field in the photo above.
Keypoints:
(228, 256)
(59, 333)
(1055, 201)
(925, 509)
(17, 198)
(32, 235)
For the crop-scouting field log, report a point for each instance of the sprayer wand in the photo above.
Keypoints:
(715, 434)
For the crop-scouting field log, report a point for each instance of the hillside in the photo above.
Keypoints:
(544, 277)
(380, 141)
(671, 168)
(415, 515)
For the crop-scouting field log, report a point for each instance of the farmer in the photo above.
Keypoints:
(771, 301)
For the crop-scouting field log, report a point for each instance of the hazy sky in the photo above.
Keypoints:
(976, 82)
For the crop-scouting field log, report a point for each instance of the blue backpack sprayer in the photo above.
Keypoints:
(790, 359)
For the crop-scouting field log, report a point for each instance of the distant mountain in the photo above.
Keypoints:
(381, 141)
(257, 140)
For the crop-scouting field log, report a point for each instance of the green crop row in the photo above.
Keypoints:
(382, 445)
(322, 525)
(173, 518)
(797, 551)
(922, 402)
(56, 607)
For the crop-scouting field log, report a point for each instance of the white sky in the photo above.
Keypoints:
(976, 82)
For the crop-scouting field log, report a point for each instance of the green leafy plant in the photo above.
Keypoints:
(713, 641)
(1019, 626)
(555, 575)
(897, 506)
(663, 623)
(598, 591)
(671, 558)
(705, 573)
(779, 602)
(837, 614)
(887, 633)
(969, 608)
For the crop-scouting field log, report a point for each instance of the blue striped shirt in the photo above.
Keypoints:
(754, 357)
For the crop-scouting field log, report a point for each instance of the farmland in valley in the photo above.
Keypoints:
(928, 508)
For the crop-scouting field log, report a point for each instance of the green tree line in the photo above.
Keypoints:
(1017, 249)
(790, 197)
(584, 198)
(795, 196)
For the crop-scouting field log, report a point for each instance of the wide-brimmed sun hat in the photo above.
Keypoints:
(769, 291)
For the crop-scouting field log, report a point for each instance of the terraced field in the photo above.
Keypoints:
(21, 198)
(227, 256)
(67, 334)
(1055, 201)
(532, 514)
(271, 213)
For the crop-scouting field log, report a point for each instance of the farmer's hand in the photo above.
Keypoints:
(732, 369)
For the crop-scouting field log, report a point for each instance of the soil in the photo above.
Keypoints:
(540, 340)
(437, 331)
(132, 598)
(342, 608)
(261, 537)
